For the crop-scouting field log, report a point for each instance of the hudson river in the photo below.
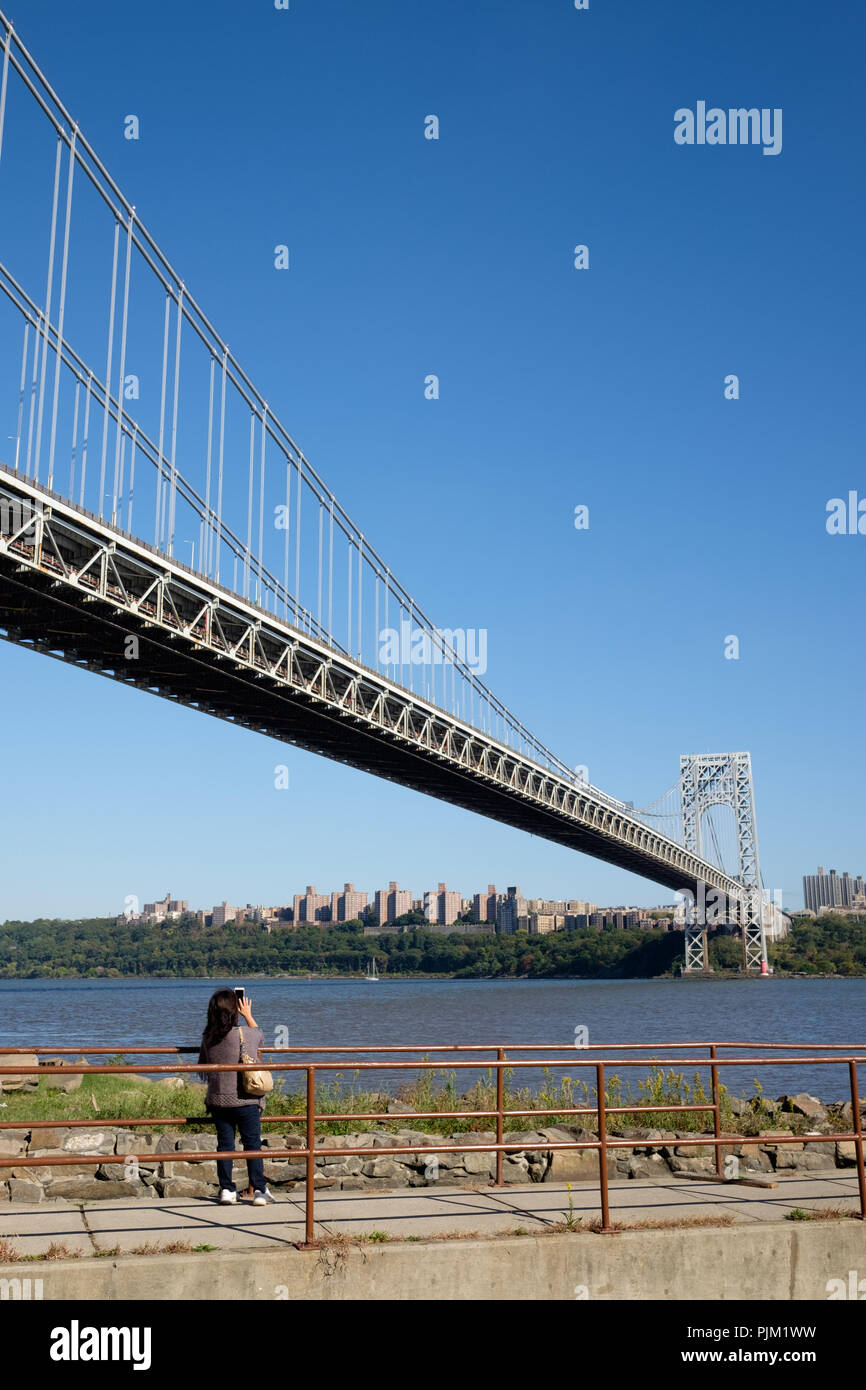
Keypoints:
(508, 1012)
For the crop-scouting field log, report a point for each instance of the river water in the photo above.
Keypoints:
(340, 1013)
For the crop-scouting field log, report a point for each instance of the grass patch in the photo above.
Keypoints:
(107, 1098)
(57, 1250)
(680, 1223)
(169, 1247)
(823, 1214)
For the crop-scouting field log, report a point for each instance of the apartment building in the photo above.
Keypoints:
(311, 906)
(167, 908)
(392, 902)
(349, 904)
(442, 907)
(484, 905)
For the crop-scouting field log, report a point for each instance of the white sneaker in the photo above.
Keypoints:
(227, 1198)
(260, 1200)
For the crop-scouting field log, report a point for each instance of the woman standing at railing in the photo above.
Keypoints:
(222, 1041)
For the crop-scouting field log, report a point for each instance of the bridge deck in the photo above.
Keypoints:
(75, 588)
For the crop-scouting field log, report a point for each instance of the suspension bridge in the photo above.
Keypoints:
(274, 618)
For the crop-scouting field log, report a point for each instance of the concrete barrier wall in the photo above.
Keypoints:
(767, 1261)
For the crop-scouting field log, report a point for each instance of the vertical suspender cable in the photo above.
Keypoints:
(117, 495)
(33, 381)
(74, 438)
(219, 522)
(287, 519)
(160, 483)
(260, 583)
(360, 590)
(85, 439)
(21, 391)
(47, 316)
(319, 589)
(207, 523)
(108, 369)
(349, 600)
(121, 473)
(248, 561)
(131, 478)
(331, 573)
(174, 422)
(298, 545)
(62, 311)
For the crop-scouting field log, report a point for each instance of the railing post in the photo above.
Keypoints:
(500, 1127)
(858, 1130)
(309, 1199)
(717, 1119)
(606, 1228)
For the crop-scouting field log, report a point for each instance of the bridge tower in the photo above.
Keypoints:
(724, 779)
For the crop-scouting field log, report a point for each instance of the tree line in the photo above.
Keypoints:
(55, 949)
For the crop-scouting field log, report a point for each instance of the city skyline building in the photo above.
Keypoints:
(484, 905)
(443, 906)
(223, 913)
(167, 907)
(831, 890)
(311, 906)
(392, 902)
(349, 904)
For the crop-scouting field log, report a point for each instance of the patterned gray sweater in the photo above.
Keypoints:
(222, 1086)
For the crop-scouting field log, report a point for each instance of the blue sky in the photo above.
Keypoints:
(559, 387)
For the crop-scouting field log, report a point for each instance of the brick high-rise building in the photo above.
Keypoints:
(349, 904)
(392, 902)
(166, 908)
(311, 906)
(443, 906)
(484, 905)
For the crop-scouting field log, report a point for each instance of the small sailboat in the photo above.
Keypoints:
(372, 972)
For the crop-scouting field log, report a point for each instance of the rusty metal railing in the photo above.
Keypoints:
(601, 1111)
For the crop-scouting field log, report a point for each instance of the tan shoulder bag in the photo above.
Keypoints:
(253, 1083)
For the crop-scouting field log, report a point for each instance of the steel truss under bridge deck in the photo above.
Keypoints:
(76, 588)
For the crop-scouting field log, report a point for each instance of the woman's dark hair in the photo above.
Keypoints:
(222, 1012)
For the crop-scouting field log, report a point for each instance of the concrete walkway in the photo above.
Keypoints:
(92, 1227)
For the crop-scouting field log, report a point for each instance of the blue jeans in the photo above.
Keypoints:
(248, 1120)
